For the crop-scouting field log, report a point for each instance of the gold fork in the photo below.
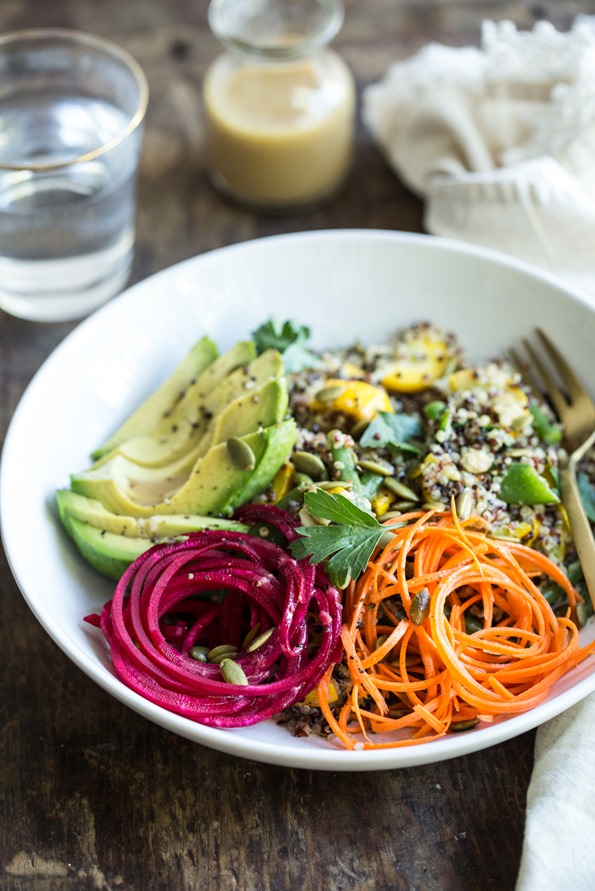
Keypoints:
(576, 412)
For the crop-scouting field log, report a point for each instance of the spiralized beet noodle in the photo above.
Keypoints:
(159, 612)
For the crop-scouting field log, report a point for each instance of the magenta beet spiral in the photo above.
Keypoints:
(215, 587)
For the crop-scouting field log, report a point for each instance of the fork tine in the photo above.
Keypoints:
(574, 385)
(553, 391)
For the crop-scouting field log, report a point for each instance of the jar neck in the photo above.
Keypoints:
(275, 30)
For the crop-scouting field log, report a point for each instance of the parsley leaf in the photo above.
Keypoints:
(347, 545)
(394, 430)
(290, 339)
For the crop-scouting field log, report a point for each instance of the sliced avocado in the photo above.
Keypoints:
(250, 377)
(87, 510)
(251, 411)
(108, 553)
(179, 430)
(280, 442)
(214, 487)
(161, 401)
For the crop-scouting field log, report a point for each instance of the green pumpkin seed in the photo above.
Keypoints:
(306, 518)
(464, 504)
(221, 652)
(399, 488)
(335, 484)
(420, 607)
(232, 673)
(581, 614)
(458, 726)
(302, 479)
(329, 394)
(307, 462)
(198, 653)
(240, 453)
(376, 465)
(260, 640)
(398, 712)
(251, 635)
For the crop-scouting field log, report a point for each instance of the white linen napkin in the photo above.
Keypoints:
(500, 142)
(559, 841)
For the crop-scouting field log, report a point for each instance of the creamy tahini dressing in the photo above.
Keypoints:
(280, 134)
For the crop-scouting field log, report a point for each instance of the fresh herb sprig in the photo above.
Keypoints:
(346, 543)
(289, 339)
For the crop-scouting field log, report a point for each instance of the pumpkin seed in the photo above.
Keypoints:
(302, 479)
(233, 673)
(260, 640)
(464, 504)
(240, 453)
(376, 465)
(216, 654)
(335, 484)
(306, 518)
(329, 394)
(402, 507)
(420, 607)
(400, 488)
(198, 653)
(392, 514)
(458, 726)
(581, 614)
(251, 635)
(398, 712)
(307, 462)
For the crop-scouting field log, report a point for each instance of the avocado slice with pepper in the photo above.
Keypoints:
(110, 542)
(214, 487)
(180, 428)
(162, 400)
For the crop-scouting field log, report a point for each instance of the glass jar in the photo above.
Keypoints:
(280, 105)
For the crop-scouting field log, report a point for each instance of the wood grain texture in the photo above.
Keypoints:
(94, 796)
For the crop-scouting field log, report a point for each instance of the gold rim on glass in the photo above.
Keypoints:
(73, 38)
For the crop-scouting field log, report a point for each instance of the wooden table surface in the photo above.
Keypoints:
(93, 796)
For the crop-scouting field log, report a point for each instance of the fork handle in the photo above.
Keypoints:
(579, 525)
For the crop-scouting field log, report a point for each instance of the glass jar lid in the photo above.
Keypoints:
(275, 29)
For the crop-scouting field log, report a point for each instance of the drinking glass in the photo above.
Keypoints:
(72, 110)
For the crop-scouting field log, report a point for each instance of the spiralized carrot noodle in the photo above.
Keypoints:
(416, 672)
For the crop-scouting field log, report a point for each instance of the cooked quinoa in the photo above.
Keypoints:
(474, 422)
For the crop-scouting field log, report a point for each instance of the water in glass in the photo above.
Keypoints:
(63, 228)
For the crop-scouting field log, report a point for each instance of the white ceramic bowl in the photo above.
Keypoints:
(345, 285)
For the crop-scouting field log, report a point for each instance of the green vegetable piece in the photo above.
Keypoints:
(549, 433)
(394, 430)
(434, 410)
(523, 485)
(344, 460)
